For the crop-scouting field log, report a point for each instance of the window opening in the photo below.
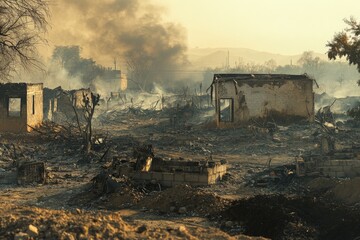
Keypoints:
(33, 104)
(14, 109)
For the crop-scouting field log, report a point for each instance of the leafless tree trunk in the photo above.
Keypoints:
(88, 109)
(90, 103)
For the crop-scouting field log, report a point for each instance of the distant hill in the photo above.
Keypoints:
(217, 57)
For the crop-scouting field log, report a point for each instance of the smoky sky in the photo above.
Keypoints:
(120, 29)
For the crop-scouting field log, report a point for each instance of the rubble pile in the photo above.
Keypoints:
(126, 182)
(19, 166)
(7, 155)
(54, 131)
(337, 155)
(178, 110)
(184, 199)
(19, 222)
(16, 151)
(109, 192)
(117, 193)
(124, 115)
(337, 149)
(274, 177)
(40, 223)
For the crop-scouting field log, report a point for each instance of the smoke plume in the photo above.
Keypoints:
(130, 31)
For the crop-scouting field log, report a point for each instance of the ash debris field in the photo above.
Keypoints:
(155, 119)
(169, 173)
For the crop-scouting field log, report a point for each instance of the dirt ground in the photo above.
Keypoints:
(259, 198)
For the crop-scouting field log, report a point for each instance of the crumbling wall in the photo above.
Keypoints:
(59, 103)
(284, 99)
(331, 162)
(77, 97)
(207, 176)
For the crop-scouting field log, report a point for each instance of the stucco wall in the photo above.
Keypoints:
(78, 97)
(34, 105)
(282, 99)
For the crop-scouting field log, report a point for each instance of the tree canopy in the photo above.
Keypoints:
(346, 43)
(22, 23)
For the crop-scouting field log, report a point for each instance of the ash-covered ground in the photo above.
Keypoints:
(260, 196)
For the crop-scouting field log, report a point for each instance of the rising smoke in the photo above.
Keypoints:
(130, 31)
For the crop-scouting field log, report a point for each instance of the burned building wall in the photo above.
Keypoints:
(77, 97)
(34, 109)
(20, 106)
(59, 103)
(243, 97)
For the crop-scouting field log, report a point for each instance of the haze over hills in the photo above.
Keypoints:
(217, 57)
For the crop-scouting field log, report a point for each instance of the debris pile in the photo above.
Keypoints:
(18, 166)
(54, 224)
(338, 154)
(51, 131)
(331, 159)
(273, 177)
(109, 192)
(175, 110)
(8, 154)
(19, 222)
(184, 199)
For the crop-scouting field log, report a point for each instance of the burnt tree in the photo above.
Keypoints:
(88, 109)
(21, 24)
(90, 103)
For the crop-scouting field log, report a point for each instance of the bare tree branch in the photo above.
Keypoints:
(22, 23)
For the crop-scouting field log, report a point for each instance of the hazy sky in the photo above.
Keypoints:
(279, 26)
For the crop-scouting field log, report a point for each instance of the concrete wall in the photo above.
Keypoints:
(25, 92)
(284, 99)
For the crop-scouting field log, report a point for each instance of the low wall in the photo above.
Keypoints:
(208, 176)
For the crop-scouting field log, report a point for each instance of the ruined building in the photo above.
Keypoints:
(58, 103)
(21, 106)
(241, 98)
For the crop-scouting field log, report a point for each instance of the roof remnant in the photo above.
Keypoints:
(224, 77)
